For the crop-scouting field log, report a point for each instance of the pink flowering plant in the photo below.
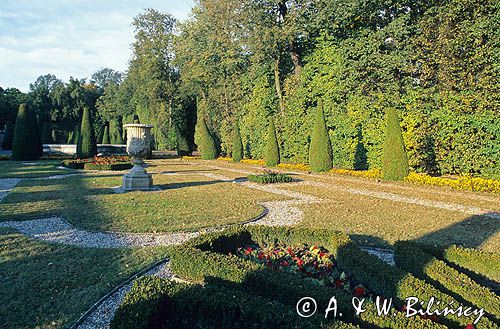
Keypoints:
(314, 263)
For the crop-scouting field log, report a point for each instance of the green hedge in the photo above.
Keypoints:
(477, 261)
(72, 164)
(412, 258)
(271, 178)
(206, 259)
(393, 282)
(107, 166)
(160, 303)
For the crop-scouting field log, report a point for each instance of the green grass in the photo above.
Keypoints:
(49, 286)
(185, 203)
(35, 169)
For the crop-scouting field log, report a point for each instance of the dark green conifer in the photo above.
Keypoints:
(394, 158)
(208, 147)
(272, 154)
(25, 144)
(237, 144)
(320, 150)
(87, 145)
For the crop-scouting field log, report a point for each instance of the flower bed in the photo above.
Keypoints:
(100, 163)
(270, 178)
(461, 183)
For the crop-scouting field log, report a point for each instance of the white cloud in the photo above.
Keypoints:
(68, 38)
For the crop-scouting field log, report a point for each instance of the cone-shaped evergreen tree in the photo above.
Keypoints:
(38, 133)
(100, 134)
(394, 158)
(208, 147)
(46, 134)
(119, 131)
(105, 136)
(272, 154)
(237, 144)
(320, 150)
(75, 136)
(8, 136)
(87, 143)
(25, 145)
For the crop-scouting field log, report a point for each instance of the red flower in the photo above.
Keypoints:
(339, 283)
(248, 251)
(300, 262)
(359, 291)
(321, 254)
(470, 326)
(260, 256)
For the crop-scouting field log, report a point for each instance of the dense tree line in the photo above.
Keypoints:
(236, 67)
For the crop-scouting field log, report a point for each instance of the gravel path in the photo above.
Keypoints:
(57, 230)
(100, 317)
(469, 210)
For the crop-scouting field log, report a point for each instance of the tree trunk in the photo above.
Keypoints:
(277, 84)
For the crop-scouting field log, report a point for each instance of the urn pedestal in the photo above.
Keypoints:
(138, 147)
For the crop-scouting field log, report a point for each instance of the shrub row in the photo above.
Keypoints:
(477, 261)
(412, 258)
(393, 282)
(107, 166)
(159, 303)
(371, 173)
(206, 259)
(270, 178)
(461, 183)
(73, 164)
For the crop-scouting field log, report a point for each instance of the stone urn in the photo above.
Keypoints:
(138, 147)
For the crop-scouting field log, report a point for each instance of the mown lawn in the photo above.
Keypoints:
(185, 203)
(49, 286)
(30, 169)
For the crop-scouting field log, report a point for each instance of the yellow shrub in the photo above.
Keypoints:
(295, 166)
(190, 157)
(259, 162)
(371, 173)
(462, 182)
(226, 159)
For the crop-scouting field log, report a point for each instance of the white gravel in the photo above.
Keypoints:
(101, 316)
(57, 230)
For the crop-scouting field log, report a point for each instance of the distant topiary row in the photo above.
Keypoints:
(394, 161)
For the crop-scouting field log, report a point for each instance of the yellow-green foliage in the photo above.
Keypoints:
(208, 147)
(461, 182)
(272, 157)
(394, 158)
(320, 150)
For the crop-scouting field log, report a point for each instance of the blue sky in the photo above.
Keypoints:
(69, 37)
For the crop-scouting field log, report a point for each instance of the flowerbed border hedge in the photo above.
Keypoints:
(152, 301)
(107, 166)
(205, 259)
(270, 178)
(410, 256)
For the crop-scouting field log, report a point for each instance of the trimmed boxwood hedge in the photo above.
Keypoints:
(206, 259)
(270, 178)
(107, 166)
(412, 258)
(72, 164)
(160, 303)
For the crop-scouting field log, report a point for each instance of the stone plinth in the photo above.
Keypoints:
(138, 146)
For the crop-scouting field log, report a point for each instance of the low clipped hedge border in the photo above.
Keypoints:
(107, 166)
(412, 258)
(96, 166)
(205, 259)
(270, 178)
(160, 303)
(479, 262)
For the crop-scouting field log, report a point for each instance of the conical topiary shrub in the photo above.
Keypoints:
(87, 146)
(208, 147)
(237, 144)
(394, 158)
(25, 145)
(8, 136)
(46, 134)
(272, 152)
(105, 136)
(320, 150)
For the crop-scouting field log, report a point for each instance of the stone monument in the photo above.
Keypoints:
(138, 147)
